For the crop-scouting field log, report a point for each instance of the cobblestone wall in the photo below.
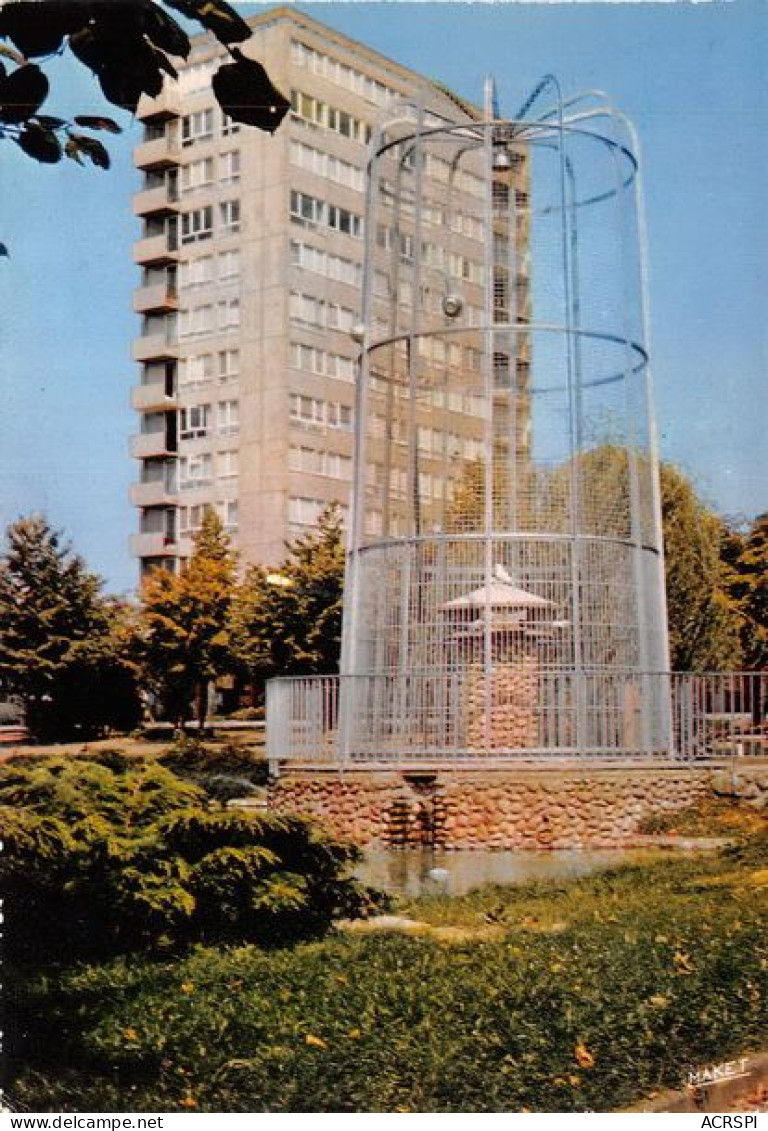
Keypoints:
(524, 809)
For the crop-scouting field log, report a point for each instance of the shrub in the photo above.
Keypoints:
(130, 858)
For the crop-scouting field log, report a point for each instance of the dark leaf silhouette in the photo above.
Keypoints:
(40, 143)
(36, 33)
(90, 122)
(92, 148)
(245, 92)
(22, 93)
(217, 16)
(4, 251)
(165, 33)
(72, 150)
(49, 123)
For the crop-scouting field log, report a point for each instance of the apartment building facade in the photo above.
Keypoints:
(251, 260)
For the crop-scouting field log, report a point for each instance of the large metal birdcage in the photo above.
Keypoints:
(505, 585)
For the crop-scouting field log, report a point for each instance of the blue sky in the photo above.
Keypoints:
(693, 78)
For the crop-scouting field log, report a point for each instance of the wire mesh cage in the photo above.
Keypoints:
(505, 576)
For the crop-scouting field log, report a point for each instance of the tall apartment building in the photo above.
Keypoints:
(251, 258)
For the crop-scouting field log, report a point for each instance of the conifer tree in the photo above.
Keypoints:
(60, 651)
(185, 639)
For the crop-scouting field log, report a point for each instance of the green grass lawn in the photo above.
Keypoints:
(585, 996)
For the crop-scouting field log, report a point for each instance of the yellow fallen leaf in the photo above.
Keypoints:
(354, 1034)
(188, 1101)
(584, 1057)
(187, 987)
(659, 1001)
(130, 1034)
(682, 963)
(574, 1081)
(316, 1042)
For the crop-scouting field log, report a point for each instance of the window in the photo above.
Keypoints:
(228, 364)
(342, 220)
(228, 127)
(153, 131)
(314, 113)
(227, 464)
(320, 262)
(229, 166)
(196, 272)
(310, 359)
(197, 126)
(197, 224)
(229, 216)
(195, 471)
(229, 314)
(306, 209)
(196, 370)
(228, 513)
(228, 417)
(313, 411)
(191, 519)
(195, 321)
(197, 174)
(194, 421)
(229, 264)
(313, 461)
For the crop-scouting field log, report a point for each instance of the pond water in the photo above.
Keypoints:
(423, 871)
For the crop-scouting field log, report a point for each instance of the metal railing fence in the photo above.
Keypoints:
(513, 713)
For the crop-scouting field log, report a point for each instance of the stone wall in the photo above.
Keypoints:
(529, 808)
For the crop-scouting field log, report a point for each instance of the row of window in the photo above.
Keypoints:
(197, 421)
(209, 269)
(201, 124)
(198, 470)
(320, 313)
(196, 370)
(312, 211)
(342, 74)
(309, 359)
(306, 512)
(197, 224)
(324, 263)
(221, 317)
(326, 165)
(314, 112)
(315, 411)
(430, 486)
(191, 518)
(203, 172)
(313, 461)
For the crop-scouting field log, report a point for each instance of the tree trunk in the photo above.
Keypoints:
(202, 706)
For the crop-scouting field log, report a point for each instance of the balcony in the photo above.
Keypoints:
(153, 545)
(152, 494)
(155, 347)
(154, 249)
(162, 198)
(152, 398)
(159, 153)
(161, 108)
(146, 445)
(157, 297)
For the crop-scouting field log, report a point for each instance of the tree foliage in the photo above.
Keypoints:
(709, 605)
(288, 622)
(746, 554)
(63, 647)
(703, 623)
(129, 47)
(184, 636)
(126, 857)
